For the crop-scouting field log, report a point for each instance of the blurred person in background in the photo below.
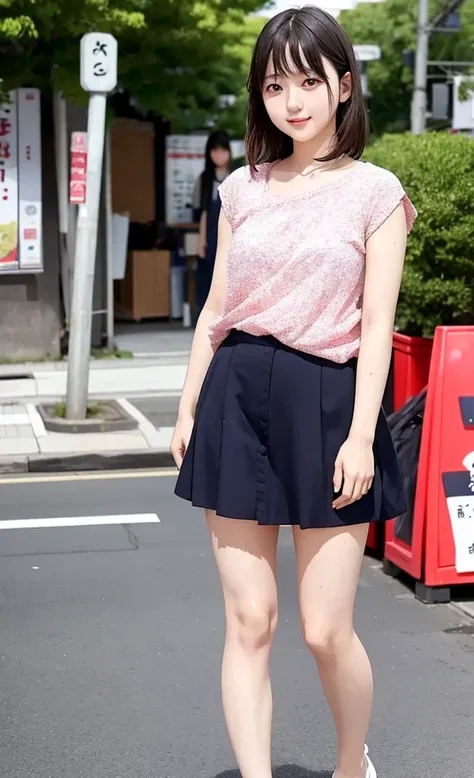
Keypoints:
(218, 159)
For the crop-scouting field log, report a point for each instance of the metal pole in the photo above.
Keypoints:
(418, 106)
(84, 265)
(109, 245)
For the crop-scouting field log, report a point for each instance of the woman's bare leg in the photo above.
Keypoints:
(246, 560)
(328, 565)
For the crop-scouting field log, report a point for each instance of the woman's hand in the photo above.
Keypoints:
(181, 437)
(353, 470)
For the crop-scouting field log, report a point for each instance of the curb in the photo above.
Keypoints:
(465, 609)
(112, 460)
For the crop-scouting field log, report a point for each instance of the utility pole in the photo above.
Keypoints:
(425, 27)
(418, 106)
(98, 76)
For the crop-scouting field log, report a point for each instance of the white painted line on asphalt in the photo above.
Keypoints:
(81, 521)
(36, 421)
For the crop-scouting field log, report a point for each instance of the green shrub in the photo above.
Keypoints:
(437, 171)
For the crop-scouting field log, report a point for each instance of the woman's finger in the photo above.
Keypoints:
(337, 479)
(358, 489)
(177, 452)
(347, 491)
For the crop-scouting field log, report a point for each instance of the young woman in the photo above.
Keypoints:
(207, 201)
(289, 362)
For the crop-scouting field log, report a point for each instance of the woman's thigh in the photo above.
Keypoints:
(328, 565)
(246, 558)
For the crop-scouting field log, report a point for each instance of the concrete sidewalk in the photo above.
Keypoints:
(26, 446)
(160, 375)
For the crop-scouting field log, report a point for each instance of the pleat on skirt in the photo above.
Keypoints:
(269, 424)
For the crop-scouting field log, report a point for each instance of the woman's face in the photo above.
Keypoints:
(220, 157)
(299, 104)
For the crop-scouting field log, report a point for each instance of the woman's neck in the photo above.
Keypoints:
(305, 154)
(221, 172)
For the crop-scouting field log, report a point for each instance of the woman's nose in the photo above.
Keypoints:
(294, 102)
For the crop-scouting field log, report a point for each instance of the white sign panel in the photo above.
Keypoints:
(8, 185)
(184, 163)
(29, 171)
(463, 110)
(98, 62)
(367, 53)
(459, 490)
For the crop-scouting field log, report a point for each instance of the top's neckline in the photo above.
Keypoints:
(331, 183)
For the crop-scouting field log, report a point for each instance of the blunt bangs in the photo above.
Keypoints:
(300, 38)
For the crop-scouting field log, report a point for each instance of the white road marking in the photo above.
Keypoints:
(81, 521)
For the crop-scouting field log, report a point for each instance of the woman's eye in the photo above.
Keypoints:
(312, 81)
(273, 87)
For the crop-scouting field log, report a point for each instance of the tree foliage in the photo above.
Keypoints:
(437, 171)
(171, 52)
(392, 25)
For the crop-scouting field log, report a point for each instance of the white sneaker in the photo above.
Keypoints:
(370, 769)
(371, 772)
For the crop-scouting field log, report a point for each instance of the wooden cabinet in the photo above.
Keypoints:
(145, 290)
(132, 152)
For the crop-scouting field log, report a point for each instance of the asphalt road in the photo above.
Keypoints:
(111, 637)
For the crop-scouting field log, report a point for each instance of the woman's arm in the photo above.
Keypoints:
(201, 350)
(385, 254)
(202, 240)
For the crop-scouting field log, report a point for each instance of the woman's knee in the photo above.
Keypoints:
(327, 640)
(252, 624)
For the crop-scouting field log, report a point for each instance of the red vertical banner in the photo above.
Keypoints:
(78, 169)
(9, 185)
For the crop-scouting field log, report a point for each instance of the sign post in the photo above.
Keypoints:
(98, 77)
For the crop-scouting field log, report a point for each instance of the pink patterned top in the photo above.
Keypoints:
(295, 267)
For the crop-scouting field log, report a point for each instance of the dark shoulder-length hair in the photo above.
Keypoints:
(303, 37)
(219, 139)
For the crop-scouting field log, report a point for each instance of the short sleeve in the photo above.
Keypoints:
(387, 195)
(231, 193)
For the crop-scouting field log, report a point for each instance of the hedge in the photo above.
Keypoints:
(437, 171)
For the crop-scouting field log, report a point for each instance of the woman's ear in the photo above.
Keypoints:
(345, 87)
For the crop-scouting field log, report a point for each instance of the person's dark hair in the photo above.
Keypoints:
(219, 139)
(303, 36)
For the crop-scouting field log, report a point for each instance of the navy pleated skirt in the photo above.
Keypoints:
(269, 424)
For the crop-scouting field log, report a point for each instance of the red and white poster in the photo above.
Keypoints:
(8, 186)
(29, 176)
(78, 171)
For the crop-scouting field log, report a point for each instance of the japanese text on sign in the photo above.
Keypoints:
(8, 185)
(78, 171)
(98, 62)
